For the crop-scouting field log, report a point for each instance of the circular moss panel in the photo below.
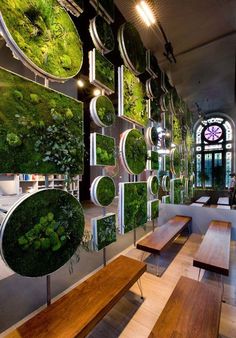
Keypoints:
(103, 191)
(41, 232)
(131, 47)
(102, 111)
(133, 151)
(102, 34)
(43, 36)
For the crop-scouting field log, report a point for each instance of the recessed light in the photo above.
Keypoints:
(146, 13)
(80, 83)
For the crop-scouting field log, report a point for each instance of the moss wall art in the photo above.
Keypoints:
(102, 34)
(131, 48)
(41, 131)
(133, 150)
(152, 88)
(153, 160)
(176, 190)
(153, 185)
(152, 136)
(103, 191)
(154, 110)
(133, 205)
(104, 231)
(101, 72)
(41, 233)
(42, 35)
(176, 163)
(132, 99)
(153, 209)
(102, 111)
(166, 199)
(103, 152)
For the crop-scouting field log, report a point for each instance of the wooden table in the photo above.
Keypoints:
(192, 311)
(161, 238)
(76, 313)
(214, 251)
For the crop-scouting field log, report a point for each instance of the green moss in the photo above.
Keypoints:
(155, 110)
(46, 35)
(154, 136)
(177, 130)
(106, 191)
(105, 110)
(135, 205)
(154, 209)
(105, 150)
(43, 233)
(35, 138)
(154, 185)
(135, 108)
(176, 162)
(178, 188)
(105, 33)
(166, 199)
(154, 87)
(167, 162)
(104, 71)
(105, 229)
(135, 151)
(154, 160)
(132, 49)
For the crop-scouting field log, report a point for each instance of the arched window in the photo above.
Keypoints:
(214, 152)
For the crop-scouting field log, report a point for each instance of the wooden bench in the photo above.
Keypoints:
(197, 205)
(192, 311)
(203, 200)
(77, 312)
(223, 201)
(214, 251)
(161, 238)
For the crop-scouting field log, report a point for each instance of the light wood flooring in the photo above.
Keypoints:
(134, 318)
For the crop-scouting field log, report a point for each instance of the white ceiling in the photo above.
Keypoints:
(203, 35)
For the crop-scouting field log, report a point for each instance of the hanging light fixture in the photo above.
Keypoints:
(145, 13)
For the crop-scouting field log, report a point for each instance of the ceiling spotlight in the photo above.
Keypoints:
(80, 83)
(146, 13)
(96, 92)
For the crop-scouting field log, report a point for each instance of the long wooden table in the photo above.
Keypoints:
(161, 238)
(214, 251)
(192, 311)
(76, 313)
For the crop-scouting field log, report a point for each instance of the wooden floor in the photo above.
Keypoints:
(134, 318)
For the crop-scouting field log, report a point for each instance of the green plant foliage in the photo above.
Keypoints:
(106, 191)
(177, 130)
(105, 33)
(178, 188)
(105, 150)
(135, 108)
(135, 152)
(132, 49)
(155, 111)
(154, 160)
(104, 71)
(154, 209)
(104, 231)
(166, 199)
(176, 162)
(135, 205)
(41, 131)
(43, 233)
(167, 162)
(154, 88)
(105, 110)
(46, 35)
(154, 185)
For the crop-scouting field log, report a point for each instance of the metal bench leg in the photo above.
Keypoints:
(140, 287)
(199, 273)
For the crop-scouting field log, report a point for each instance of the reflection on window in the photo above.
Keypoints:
(208, 170)
(199, 169)
(228, 168)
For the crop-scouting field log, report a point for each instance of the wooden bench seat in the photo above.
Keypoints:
(76, 313)
(164, 236)
(192, 311)
(214, 251)
(203, 199)
(223, 201)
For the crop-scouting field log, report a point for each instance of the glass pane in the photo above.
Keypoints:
(218, 159)
(228, 168)
(198, 170)
(208, 170)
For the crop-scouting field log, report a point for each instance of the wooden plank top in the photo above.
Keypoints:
(196, 205)
(223, 200)
(164, 235)
(76, 313)
(214, 251)
(203, 199)
(192, 311)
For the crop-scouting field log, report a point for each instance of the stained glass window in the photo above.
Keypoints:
(213, 133)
